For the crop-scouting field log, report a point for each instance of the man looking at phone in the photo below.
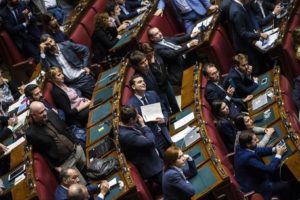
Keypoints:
(253, 174)
(65, 55)
(240, 76)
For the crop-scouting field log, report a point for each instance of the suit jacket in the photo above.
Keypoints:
(130, 7)
(268, 9)
(251, 172)
(43, 143)
(173, 58)
(139, 147)
(62, 194)
(244, 85)
(242, 27)
(152, 97)
(175, 186)
(228, 133)
(70, 51)
(16, 29)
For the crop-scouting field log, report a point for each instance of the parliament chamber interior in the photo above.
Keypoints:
(192, 123)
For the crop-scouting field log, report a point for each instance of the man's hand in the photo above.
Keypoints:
(263, 36)
(104, 187)
(195, 32)
(230, 90)
(43, 47)
(3, 148)
(277, 9)
(280, 150)
(140, 120)
(160, 120)
(248, 98)
(192, 43)
(213, 7)
(159, 12)
(87, 70)
(142, 9)
(269, 131)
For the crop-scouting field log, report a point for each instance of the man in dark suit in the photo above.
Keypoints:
(215, 90)
(252, 173)
(21, 26)
(264, 11)
(48, 135)
(138, 144)
(65, 55)
(155, 77)
(142, 97)
(244, 34)
(130, 9)
(172, 51)
(240, 76)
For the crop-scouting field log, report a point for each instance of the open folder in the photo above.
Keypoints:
(151, 112)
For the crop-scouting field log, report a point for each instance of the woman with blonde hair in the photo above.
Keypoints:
(175, 184)
(68, 99)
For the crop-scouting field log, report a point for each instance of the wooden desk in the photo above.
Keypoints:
(99, 113)
(187, 89)
(102, 95)
(270, 100)
(265, 81)
(265, 120)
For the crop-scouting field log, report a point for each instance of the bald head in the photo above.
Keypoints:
(38, 112)
(154, 35)
(78, 192)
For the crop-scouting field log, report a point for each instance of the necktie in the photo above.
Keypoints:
(171, 45)
(144, 100)
(261, 9)
(124, 10)
(15, 14)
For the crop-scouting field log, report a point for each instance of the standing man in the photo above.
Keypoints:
(65, 55)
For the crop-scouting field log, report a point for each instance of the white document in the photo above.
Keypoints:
(183, 121)
(151, 111)
(268, 44)
(113, 182)
(14, 145)
(259, 101)
(19, 179)
(180, 135)
(205, 22)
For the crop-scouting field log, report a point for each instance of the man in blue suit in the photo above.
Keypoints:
(142, 97)
(252, 173)
(240, 75)
(66, 56)
(215, 90)
(190, 11)
(138, 144)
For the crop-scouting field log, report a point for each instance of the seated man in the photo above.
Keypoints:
(253, 174)
(215, 91)
(80, 192)
(155, 77)
(21, 26)
(129, 9)
(48, 135)
(142, 97)
(65, 55)
(70, 176)
(34, 93)
(6, 121)
(190, 11)
(138, 144)
(172, 51)
(240, 76)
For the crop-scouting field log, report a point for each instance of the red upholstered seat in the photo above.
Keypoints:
(285, 86)
(81, 36)
(127, 92)
(222, 49)
(88, 21)
(289, 104)
(142, 190)
(295, 22)
(289, 59)
(293, 119)
(99, 5)
(46, 182)
(47, 93)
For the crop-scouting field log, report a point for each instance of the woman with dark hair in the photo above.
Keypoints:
(245, 122)
(175, 184)
(105, 36)
(52, 27)
(224, 124)
(75, 107)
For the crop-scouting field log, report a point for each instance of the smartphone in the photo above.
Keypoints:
(232, 83)
(16, 173)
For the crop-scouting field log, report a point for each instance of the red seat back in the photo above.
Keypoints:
(46, 182)
(295, 22)
(47, 93)
(290, 62)
(142, 190)
(81, 36)
(88, 21)
(99, 5)
(222, 49)
(127, 92)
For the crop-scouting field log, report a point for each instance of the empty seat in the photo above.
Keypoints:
(290, 62)
(88, 21)
(47, 93)
(99, 5)
(81, 36)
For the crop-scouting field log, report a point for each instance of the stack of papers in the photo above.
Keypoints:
(265, 45)
(151, 112)
(183, 121)
(205, 23)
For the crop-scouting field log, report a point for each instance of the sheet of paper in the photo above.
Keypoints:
(267, 44)
(16, 104)
(151, 111)
(180, 135)
(191, 137)
(205, 22)
(19, 179)
(183, 121)
(14, 145)
(259, 101)
(113, 182)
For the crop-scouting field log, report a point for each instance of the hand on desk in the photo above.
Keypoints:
(263, 36)
(280, 150)
(269, 131)
(159, 12)
(142, 9)
(248, 98)
(213, 7)
(3, 148)
(104, 187)
(160, 120)
(192, 43)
